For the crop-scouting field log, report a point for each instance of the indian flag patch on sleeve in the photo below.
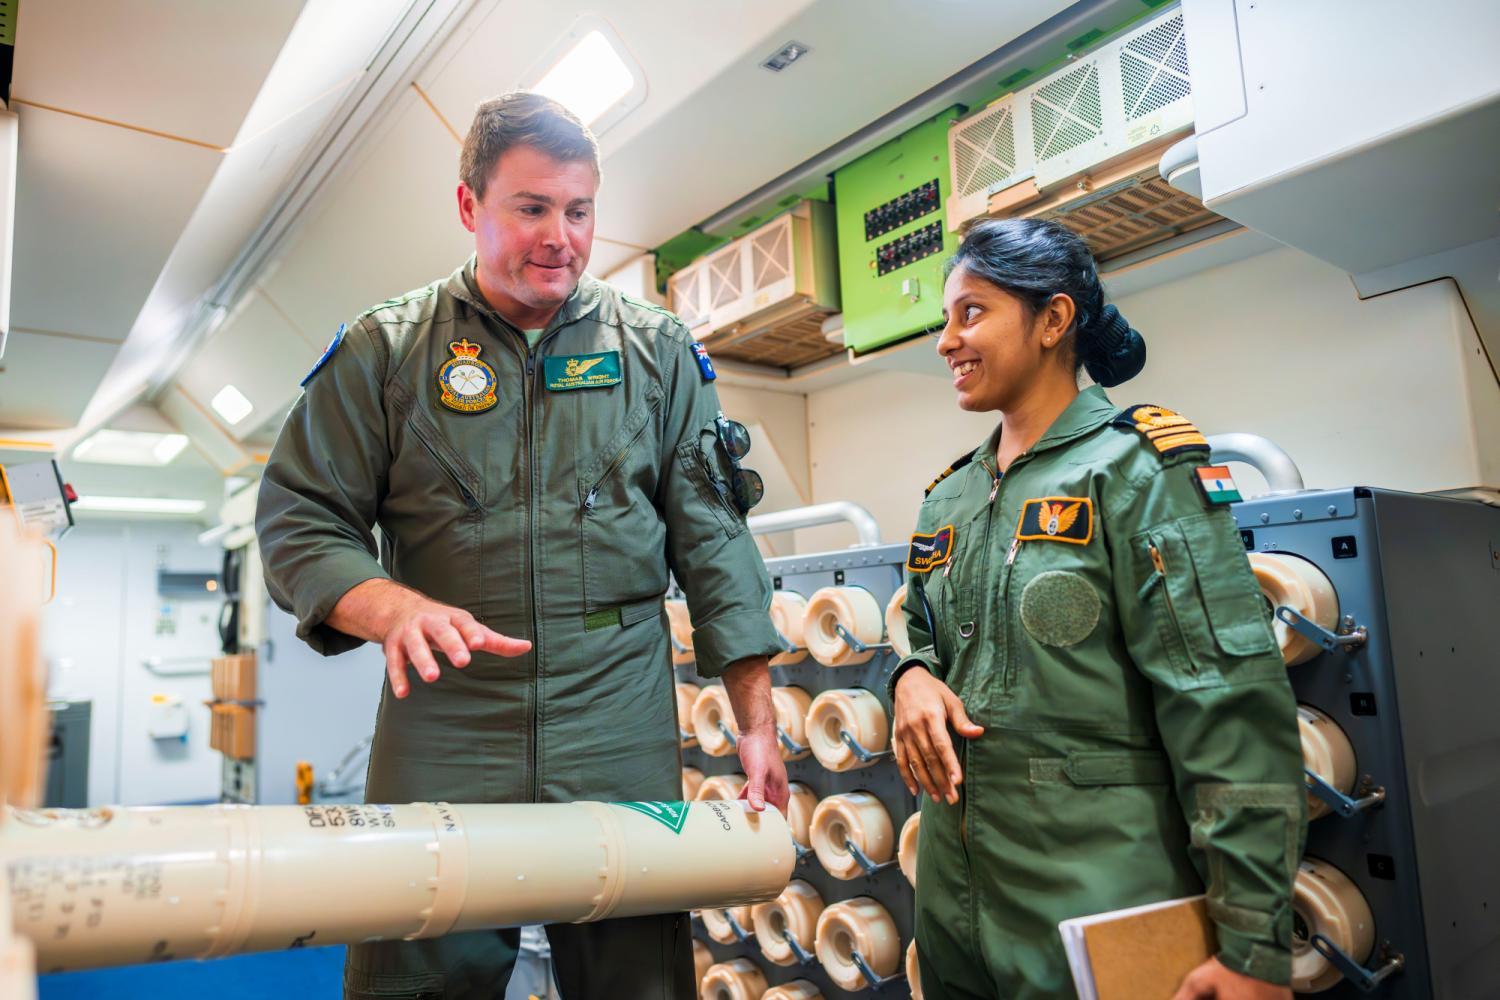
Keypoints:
(1217, 484)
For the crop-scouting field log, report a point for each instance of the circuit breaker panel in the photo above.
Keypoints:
(893, 237)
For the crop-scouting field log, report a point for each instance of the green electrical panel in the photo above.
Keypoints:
(893, 236)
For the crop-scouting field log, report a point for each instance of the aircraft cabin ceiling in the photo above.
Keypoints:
(206, 191)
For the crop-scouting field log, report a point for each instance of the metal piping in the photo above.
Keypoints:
(1265, 455)
(816, 514)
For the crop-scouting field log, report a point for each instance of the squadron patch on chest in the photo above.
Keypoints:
(1168, 432)
(466, 383)
(1057, 519)
(582, 371)
(927, 552)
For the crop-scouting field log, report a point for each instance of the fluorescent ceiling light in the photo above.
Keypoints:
(589, 79)
(231, 404)
(109, 447)
(139, 505)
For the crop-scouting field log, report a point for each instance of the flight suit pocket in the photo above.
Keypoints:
(467, 485)
(708, 467)
(1209, 611)
(1231, 596)
(621, 533)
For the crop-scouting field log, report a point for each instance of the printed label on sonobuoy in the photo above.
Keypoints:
(671, 815)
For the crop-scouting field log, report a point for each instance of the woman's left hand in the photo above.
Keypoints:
(1215, 981)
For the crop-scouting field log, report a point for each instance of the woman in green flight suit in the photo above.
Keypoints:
(1094, 704)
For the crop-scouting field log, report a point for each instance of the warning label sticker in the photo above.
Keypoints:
(671, 815)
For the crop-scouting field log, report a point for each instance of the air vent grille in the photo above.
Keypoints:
(1154, 69)
(770, 256)
(685, 297)
(723, 280)
(1066, 113)
(984, 151)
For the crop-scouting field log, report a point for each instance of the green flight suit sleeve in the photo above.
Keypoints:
(321, 488)
(710, 550)
(918, 628)
(1195, 624)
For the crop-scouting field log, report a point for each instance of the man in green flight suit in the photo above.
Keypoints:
(539, 452)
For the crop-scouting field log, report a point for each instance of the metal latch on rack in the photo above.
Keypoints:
(863, 859)
(803, 956)
(1391, 962)
(876, 982)
(790, 745)
(860, 753)
(1348, 638)
(1344, 805)
(855, 644)
(734, 925)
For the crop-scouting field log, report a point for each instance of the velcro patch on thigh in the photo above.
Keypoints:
(1059, 608)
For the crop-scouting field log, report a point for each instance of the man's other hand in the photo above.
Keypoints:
(409, 626)
(765, 773)
(1215, 981)
(748, 682)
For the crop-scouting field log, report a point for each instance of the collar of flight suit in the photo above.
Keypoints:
(1089, 410)
(463, 286)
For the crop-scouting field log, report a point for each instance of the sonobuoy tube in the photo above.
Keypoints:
(120, 886)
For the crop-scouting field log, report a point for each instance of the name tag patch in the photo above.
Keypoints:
(927, 552)
(582, 371)
(1057, 519)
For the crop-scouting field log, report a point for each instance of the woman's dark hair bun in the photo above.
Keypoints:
(1111, 350)
(1035, 259)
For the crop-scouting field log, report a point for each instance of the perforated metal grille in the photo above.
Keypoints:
(723, 280)
(789, 345)
(1065, 113)
(771, 256)
(1154, 68)
(984, 151)
(685, 285)
(1135, 213)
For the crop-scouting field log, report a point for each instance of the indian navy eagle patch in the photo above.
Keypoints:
(1057, 519)
(466, 383)
(1168, 432)
(927, 552)
(582, 371)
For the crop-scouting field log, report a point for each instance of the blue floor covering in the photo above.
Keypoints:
(310, 973)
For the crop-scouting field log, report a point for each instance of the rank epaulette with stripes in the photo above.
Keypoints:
(1169, 433)
(950, 470)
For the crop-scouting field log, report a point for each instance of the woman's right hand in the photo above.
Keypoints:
(925, 708)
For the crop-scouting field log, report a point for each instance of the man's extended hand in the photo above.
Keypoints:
(1215, 981)
(748, 683)
(409, 626)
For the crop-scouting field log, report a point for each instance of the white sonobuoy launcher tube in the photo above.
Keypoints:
(117, 886)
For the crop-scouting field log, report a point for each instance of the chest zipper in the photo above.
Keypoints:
(590, 501)
(468, 495)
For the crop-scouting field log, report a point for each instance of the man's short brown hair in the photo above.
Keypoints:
(521, 118)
